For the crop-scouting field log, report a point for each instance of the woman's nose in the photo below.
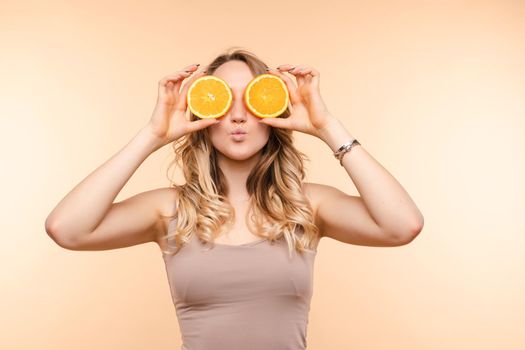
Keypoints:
(238, 112)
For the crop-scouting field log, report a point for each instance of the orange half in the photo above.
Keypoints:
(209, 97)
(266, 96)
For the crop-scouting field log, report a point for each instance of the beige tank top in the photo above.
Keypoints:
(249, 296)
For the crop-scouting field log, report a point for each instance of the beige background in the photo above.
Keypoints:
(434, 90)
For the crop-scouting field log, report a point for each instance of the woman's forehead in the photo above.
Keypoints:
(235, 73)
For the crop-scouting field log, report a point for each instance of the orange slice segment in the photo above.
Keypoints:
(266, 96)
(209, 97)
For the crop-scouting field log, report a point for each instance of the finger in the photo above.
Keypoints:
(201, 124)
(304, 71)
(295, 72)
(173, 78)
(181, 102)
(192, 66)
(292, 89)
(311, 75)
(283, 123)
(301, 74)
(285, 67)
(185, 72)
(309, 72)
(180, 75)
(171, 83)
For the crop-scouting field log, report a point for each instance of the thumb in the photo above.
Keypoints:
(283, 123)
(202, 123)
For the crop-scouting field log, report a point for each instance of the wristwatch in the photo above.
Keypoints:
(344, 149)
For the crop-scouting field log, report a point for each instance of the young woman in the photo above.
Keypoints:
(239, 238)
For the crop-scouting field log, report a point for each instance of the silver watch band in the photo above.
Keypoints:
(344, 149)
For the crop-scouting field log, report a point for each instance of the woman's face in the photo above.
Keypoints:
(237, 75)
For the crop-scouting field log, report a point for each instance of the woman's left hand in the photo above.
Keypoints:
(308, 113)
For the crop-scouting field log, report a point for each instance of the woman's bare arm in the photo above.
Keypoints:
(83, 209)
(87, 219)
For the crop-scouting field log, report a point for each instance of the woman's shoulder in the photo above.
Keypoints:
(167, 198)
(311, 191)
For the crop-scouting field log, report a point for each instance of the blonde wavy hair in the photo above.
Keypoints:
(277, 204)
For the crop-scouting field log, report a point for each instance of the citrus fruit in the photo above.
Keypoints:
(209, 97)
(266, 96)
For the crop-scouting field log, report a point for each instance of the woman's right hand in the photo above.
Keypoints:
(168, 121)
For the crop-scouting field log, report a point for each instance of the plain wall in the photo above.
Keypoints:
(434, 90)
